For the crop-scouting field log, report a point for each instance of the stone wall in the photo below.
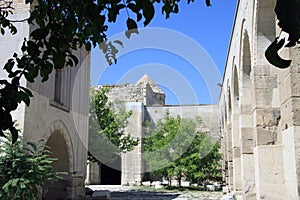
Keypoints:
(126, 93)
(208, 113)
(259, 106)
(145, 91)
(61, 125)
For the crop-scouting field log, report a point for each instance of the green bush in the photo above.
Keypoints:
(24, 169)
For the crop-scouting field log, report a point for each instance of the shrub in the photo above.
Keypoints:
(24, 169)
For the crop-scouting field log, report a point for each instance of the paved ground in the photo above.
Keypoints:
(139, 193)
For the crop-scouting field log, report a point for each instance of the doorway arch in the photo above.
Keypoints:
(61, 150)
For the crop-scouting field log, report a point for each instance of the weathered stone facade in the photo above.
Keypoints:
(145, 91)
(58, 112)
(258, 112)
(147, 103)
(259, 106)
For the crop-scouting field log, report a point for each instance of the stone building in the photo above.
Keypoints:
(147, 103)
(258, 112)
(58, 112)
(259, 109)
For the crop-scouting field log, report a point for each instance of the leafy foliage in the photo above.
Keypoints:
(107, 137)
(24, 169)
(176, 149)
(288, 15)
(75, 24)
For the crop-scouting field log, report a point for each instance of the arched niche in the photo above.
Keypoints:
(59, 151)
(236, 92)
(246, 61)
(59, 142)
(246, 69)
(229, 102)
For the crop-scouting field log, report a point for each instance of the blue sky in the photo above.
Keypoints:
(185, 54)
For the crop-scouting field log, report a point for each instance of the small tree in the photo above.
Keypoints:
(176, 149)
(24, 169)
(202, 160)
(107, 137)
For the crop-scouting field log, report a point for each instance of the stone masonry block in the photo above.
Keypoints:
(269, 172)
(265, 137)
(80, 191)
(267, 118)
(247, 146)
(261, 82)
(246, 109)
(247, 133)
(290, 87)
(261, 70)
(263, 97)
(289, 80)
(236, 152)
(290, 112)
(246, 121)
(290, 138)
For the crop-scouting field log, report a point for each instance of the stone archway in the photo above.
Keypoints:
(61, 149)
(246, 118)
(237, 179)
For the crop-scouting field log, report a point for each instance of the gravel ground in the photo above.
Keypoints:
(144, 193)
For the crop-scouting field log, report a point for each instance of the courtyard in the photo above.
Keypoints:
(146, 193)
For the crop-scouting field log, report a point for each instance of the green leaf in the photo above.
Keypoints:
(37, 33)
(148, 11)
(58, 60)
(119, 42)
(24, 97)
(9, 65)
(133, 7)
(138, 16)
(132, 27)
(14, 134)
(207, 2)
(74, 58)
(88, 46)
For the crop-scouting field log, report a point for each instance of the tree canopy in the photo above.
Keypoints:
(175, 149)
(107, 137)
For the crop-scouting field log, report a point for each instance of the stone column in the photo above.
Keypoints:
(93, 174)
(268, 160)
(247, 142)
(236, 150)
(290, 124)
(132, 165)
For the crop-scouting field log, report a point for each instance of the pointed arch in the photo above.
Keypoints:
(60, 130)
(236, 92)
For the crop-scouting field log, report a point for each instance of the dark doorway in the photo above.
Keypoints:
(59, 151)
(111, 175)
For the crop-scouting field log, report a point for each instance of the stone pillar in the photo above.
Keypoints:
(132, 164)
(93, 174)
(236, 150)
(266, 115)
(229, 156)
(76, 187)
(247, 162)
(290, 124)
(247, 141)
(269, 175)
